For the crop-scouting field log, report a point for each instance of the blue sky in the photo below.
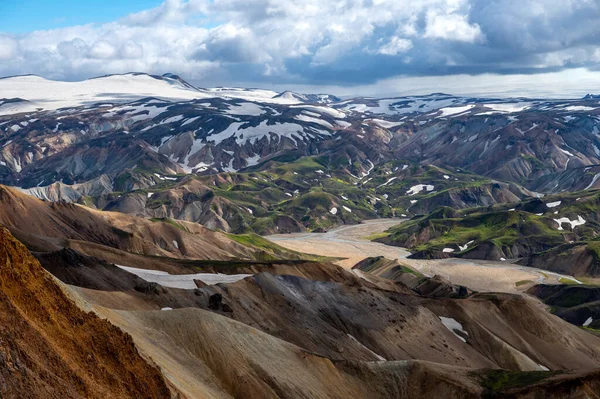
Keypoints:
(21, 16)
(516, 47)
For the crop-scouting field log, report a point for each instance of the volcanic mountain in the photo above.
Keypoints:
(52, 349)
(124, 142)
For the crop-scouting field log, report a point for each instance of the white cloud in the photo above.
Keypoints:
(102, 49)
(132, 50)
(451, 27)
(8, 48)
(315, 41)
(395, 46)
(73, 49)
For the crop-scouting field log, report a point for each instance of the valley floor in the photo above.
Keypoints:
(352, 244)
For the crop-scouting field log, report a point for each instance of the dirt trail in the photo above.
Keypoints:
(350, 242)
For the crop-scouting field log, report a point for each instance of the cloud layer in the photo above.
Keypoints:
(335, 42)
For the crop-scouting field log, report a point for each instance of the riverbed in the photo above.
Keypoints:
(351, 244)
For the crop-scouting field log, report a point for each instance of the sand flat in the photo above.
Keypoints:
(350, 242)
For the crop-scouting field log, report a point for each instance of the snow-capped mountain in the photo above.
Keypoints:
(74, 132)
(31, 93)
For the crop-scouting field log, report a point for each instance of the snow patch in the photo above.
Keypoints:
(318, 121)
(418, 188)
(183, 281)
(453, 325)
(249, 109)
(574, 223)
(594, 180)
(387, 182)
(455, 110)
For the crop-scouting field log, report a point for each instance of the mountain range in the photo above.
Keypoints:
(133, 210)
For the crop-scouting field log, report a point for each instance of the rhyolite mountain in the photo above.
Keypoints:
(285, 328)
(113, 140)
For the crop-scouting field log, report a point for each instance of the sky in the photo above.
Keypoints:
(534, 48)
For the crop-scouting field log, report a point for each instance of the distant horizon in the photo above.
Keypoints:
(301, 89)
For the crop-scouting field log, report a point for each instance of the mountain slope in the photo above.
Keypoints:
(47, 226)
(558, 233)
(325, 336)
(52, 349)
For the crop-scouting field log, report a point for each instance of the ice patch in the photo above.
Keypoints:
(466, 246)
(588, 322)
(173, 119)
(594, 180)
(250, 109)
(387, 182)
(347, 209)
(574, 223)
(448, 250)
(553, 204)
(418, 188)
(187, 122)
(508, 107)
(578, 108)
(455, 110)
(183, 281)
(334, 113)
(567, 152)
(253, 160)
(454, 326)
(243, 135)
(310, 119)
(387, 124)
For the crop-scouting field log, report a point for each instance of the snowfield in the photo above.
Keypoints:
(243, 135)
(51, 94)
(183, 281)
(45, 94)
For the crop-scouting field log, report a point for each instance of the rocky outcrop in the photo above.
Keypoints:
(50, 348)
(576, 259)
(578, 304)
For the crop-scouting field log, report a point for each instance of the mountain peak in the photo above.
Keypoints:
(591, 97)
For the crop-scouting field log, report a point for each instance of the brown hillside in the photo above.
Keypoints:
(49, 348)
(46, 226)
